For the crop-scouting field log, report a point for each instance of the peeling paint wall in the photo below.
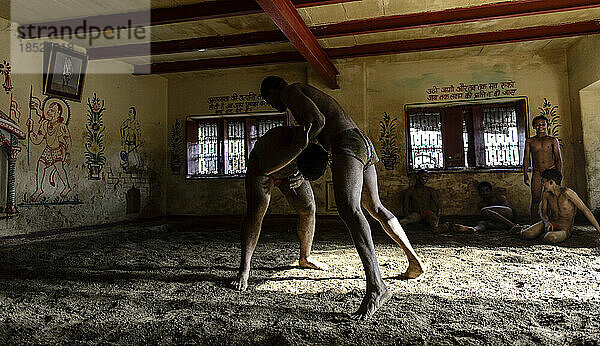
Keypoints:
(88, 202)
(584, 71)
(369, 88)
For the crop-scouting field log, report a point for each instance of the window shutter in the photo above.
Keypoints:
(192, 147)
(521, 109)
(452, 137)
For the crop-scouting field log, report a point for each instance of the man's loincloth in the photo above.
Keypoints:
(51, 156)
(354, 143)
(425, 213)
(545, 169)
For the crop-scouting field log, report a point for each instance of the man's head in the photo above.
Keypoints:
(485, 190)
(270, 90)
(132, 112)
(540, 124)
(312, 161)
(551, 178)
(422, 176)
(55, 111)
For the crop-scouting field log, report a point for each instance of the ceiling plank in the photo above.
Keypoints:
(396, 47)
(357, 27)
(286, 17)
(159, 16)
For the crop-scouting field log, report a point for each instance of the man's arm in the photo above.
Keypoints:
(435, 197)
(282, 156)
(406, 202)
(526, 162)
(584, 209)
(557, 155)
(304, 110)
(544, 212)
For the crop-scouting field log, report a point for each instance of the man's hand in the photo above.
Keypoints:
(526, 179)
(301, 137)
(296, 180)
(548, 227)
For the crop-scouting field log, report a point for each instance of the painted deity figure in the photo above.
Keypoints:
(131, 143)
(52, 131)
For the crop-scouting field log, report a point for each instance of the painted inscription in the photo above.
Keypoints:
(94, 141)
(235, 103)
(465, 91)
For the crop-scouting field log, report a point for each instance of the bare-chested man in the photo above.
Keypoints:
(270, 164)
(545, 154)
(354, 177)
(422, 204)
(558, 208)
(494, 207)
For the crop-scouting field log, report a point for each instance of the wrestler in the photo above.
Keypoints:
(422, 204)
(496, 210)
(354, 178)
(545, 154)
(558, 208)
(270, 164)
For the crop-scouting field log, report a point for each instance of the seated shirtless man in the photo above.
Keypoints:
(558, 208)
(354, 178)
(270, 164)
(494, 207)
(422, 204)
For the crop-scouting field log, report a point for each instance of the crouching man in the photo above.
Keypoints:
(558, 208)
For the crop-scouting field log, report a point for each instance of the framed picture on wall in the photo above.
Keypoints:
(65, 73)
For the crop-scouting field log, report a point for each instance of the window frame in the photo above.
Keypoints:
(191, 136)
(474, 132)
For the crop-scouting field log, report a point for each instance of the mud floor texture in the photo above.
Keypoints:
(168, 283)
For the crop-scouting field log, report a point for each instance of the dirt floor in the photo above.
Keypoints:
(167, 283)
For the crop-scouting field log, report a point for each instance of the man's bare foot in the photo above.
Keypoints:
(35, 196)
(445, 227)
(517, 228)
(464, 229)
(65, 192)
(371, 303)
(312, 263)
(414, 270)
(241, 283)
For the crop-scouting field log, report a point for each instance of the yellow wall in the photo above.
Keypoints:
(103, 201)
(368, 88)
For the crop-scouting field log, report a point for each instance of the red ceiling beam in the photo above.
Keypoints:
(159, 16)
(396, 47)
(286, 17)
(356, 27)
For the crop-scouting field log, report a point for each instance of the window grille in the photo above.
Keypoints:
(426, 140)
(208, 148)
(500, 136)
(235, 148)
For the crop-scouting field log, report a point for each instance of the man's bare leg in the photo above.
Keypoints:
(39, 177)
(347, 185)
(258, 195)
(389, 223)
(536, 195)
(499, 213)
(303, 202)
(533, 231)
(558, 236)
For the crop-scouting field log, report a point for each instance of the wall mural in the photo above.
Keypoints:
(176, 147)
(388, 140)
(464, 91)
(50, 130)
(131, 143)
(94, 142)
(550, 112)
(5, 71)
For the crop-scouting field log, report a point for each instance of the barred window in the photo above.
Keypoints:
(219, 146)
(490, 136)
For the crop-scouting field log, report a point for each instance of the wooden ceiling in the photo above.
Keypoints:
(192, 35)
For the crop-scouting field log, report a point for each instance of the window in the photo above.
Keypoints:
(219, 146)
(490, 136)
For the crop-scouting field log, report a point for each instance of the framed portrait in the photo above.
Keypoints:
(65, 73)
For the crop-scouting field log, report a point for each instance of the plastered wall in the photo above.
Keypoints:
(370, 87)
(70, 198)
(584, 72)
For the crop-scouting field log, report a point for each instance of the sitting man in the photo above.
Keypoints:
(494, 207)
(558, 208)
(271, 164)
(422, 204)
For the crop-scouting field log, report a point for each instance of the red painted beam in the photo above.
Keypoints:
(287, 19)
(357, 27)
(396, 47)
(159, 16)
